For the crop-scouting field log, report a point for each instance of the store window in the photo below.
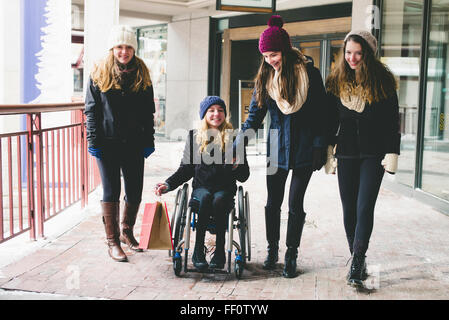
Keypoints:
(401, 51)
(77, 48)
(153, 51)
(335, 49)
(313, 50)
(435, 176)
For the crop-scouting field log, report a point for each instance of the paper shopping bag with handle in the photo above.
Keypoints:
(155, 233)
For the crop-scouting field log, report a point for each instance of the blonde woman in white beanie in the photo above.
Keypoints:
(120, 133)
(364, 135)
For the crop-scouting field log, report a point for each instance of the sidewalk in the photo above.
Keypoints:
(407, 259)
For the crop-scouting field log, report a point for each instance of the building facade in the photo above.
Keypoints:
(212, 52)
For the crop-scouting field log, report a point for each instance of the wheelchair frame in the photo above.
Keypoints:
(183, 216)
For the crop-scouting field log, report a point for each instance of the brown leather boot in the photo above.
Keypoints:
(129, 219)
(110, 220)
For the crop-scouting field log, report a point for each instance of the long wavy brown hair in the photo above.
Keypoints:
(106, 74)
(375, 79)
(288, 78)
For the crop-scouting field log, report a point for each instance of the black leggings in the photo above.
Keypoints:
(216, 204)
(359, 182)
(275, 189)
(129, 161)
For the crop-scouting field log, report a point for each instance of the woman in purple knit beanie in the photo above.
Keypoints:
(289, 87)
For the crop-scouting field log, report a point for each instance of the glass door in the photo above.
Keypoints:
(324, 50)
(153, 51)
(401, 51)
(313, 50)
(435, 171)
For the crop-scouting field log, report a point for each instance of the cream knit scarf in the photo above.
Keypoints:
(273, 88)
(353, 98)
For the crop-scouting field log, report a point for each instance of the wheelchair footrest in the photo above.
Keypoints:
(211, 271)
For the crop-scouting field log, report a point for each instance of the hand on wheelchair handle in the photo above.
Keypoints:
(160, 189)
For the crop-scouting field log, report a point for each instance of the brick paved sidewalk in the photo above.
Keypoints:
(408, 255)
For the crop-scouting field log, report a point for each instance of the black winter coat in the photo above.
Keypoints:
(299, 132)
(373, 132)
(214, 177)
(119, 116)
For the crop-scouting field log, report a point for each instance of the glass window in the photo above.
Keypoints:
(335, 49)
(313, 50)
(435, 178)
(153, 51)
(401, 50)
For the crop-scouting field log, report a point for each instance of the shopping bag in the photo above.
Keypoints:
(155, 233)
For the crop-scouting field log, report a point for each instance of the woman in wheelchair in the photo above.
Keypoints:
(214, 177)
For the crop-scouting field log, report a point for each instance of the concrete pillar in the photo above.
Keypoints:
(10, 47)
(365, 16)
(187, 72)
(99, 17)
(10, 52)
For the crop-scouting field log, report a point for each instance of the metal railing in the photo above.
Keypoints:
(42, 170)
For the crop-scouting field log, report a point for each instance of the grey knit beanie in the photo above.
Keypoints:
(122, 34)
(367, 36)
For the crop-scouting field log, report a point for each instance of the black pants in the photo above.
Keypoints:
(275, 189)
(125, 159)
(359, 182)
(215, 204)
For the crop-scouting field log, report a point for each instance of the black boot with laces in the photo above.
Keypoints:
(357, 272)
(273, 256)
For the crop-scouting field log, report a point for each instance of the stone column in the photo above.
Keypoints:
(99, 17)
(365, 16)
(187, 72)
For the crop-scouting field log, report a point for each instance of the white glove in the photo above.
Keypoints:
(390, 162)
(331, 163)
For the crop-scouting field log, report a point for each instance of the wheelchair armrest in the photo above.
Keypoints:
(194, 204)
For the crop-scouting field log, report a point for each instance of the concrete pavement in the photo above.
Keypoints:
(407, 259)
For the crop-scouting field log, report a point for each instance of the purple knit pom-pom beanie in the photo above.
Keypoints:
(274, 38)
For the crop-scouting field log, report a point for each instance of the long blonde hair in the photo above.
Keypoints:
(222, 139)
(106, 74)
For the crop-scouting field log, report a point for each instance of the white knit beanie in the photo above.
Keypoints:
(122, 34)
(367, 36)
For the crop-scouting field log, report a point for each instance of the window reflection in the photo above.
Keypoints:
(435, 177)
(401, 50)
(153, 51)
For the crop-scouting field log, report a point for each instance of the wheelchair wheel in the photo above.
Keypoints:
(177, 264)
(171, 253)
(248, 227)
(180, 219)
(242, 224)
(238, 268)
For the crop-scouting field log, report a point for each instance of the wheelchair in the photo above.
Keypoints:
(184, 220)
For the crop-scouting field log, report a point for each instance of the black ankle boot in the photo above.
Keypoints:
(199, 259)
(218, 259)
(273, 256)
(290, 262)
(365, 274)
(357, 271)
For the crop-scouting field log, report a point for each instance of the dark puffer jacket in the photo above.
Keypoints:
(119, 116)
(212, 176)
(371, 133)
